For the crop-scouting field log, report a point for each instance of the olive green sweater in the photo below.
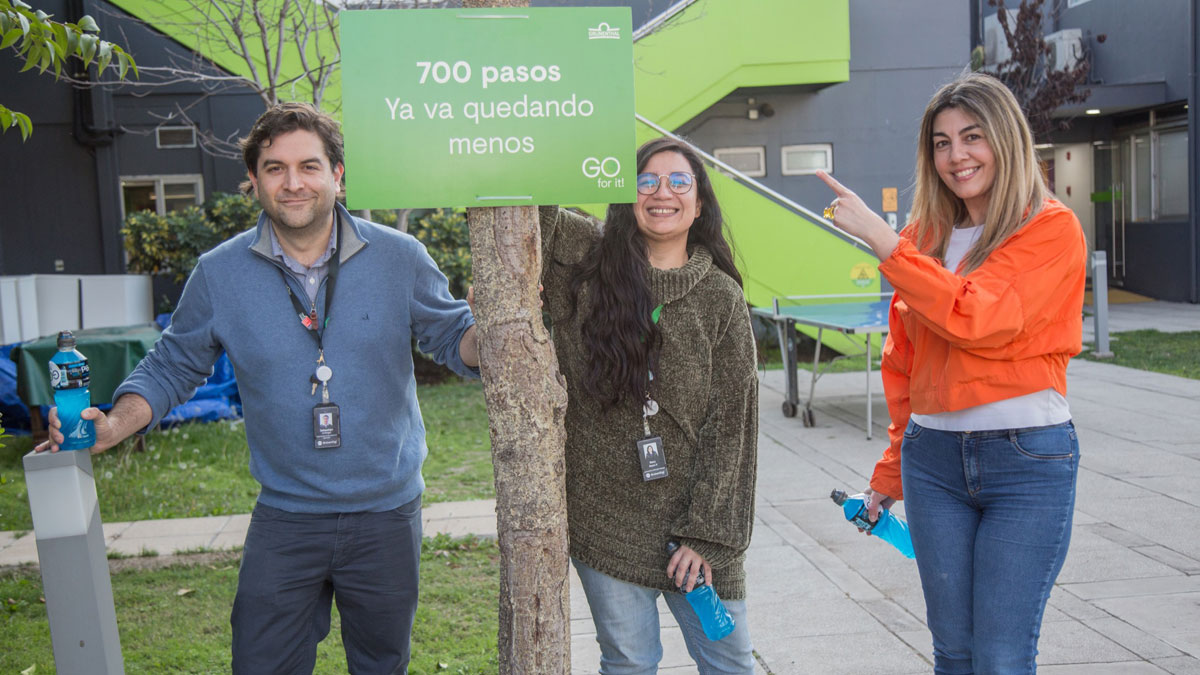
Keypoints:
(707, 388)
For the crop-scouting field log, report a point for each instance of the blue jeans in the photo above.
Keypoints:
(990, 515)
(294, 565)
(626, 618)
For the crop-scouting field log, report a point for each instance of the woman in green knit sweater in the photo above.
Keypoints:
(653, 336)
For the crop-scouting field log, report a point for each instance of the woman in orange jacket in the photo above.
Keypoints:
(987, 310)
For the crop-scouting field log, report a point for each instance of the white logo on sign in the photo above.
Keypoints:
(609, 166)
(78, 431)
(604, 32)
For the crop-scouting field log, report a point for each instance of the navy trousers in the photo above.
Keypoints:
(295, 564)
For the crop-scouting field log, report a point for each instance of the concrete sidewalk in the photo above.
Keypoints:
(824, 599)
(1168, 317)
(177, 535)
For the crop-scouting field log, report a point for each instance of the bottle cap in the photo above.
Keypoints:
(66, 341)
(838, 497)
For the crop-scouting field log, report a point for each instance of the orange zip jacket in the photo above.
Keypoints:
(1006, 329)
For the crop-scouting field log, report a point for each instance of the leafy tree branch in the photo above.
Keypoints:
(43, 43)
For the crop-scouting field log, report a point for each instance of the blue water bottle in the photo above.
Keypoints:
(889, 527)
(714, 618)
(70, 377)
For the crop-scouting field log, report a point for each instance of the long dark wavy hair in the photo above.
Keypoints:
(619, 337)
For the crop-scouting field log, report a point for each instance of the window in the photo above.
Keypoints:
(801, 160)
(175, 137)
(160, 194)
(1140, 185)
(1152, 166)
(751, 161)
(1173, 174)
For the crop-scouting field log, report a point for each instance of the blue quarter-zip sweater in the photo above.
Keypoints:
(388, 292)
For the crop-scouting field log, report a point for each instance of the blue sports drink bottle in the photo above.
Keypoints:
(889, 527)
(714, 618)
(70, 377)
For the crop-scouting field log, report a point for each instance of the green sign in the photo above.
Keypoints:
(488, 107)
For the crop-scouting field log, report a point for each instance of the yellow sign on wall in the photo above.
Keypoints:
(889, 200)
(862, 274)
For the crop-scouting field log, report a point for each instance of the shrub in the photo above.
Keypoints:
(447, 238)
(170, 245)
(230, 214)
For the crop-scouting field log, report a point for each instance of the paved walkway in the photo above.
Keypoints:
(1169, 317)
(824, 599)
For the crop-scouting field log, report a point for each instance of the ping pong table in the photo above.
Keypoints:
(850, 314)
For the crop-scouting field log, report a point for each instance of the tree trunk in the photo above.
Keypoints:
(526, 402)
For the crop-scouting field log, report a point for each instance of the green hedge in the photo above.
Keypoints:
(170, 245)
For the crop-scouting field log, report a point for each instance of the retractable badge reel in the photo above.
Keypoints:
(327, 417)
(650, 449)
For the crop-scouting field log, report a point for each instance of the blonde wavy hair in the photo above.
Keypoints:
(1018, 191)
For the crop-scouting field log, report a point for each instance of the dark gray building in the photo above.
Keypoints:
(864, 130)
(1126, 165)
(99, 152)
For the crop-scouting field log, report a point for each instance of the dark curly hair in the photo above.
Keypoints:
(284, 118)
(619, 336)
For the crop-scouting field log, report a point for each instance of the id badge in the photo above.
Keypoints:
(327, 426)
(654, 460)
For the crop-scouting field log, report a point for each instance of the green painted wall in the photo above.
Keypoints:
(183, 22)
(716, 46)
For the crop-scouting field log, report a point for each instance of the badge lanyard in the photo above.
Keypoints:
(650, 448)
(650, 408)
(326, 415)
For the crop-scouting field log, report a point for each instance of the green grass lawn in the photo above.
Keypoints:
(176, 619)
(1170, 353)
(770, 359)
(201, 469)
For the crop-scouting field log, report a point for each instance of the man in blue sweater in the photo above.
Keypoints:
(317, 311)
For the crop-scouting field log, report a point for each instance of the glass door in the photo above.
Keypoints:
(1111, 205)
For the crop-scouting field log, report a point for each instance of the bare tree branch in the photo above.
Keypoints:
(1030, 74)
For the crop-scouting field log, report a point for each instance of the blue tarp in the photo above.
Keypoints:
(216, 399)
(15, 416)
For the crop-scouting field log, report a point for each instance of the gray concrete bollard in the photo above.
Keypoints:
(1100, 302)
(71, 555)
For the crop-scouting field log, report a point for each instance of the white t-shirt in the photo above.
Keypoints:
(1039, 409)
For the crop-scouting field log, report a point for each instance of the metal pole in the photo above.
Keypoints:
(870, 430)
(1193, 117)
(1100, 302)
(71, 555)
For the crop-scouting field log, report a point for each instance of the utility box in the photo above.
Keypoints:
(57, 302)
(116, 300)
(73, 561)
(38, 305)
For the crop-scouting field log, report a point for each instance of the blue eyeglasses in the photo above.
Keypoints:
(680, 182)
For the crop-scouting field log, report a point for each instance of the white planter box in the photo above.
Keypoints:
(116, 300)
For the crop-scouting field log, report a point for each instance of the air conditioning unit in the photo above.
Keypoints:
(995, 45)
(1066, 48)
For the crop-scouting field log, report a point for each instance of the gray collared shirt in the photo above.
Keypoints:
(309, 277)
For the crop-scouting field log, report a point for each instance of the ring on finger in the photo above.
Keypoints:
(831, 210)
